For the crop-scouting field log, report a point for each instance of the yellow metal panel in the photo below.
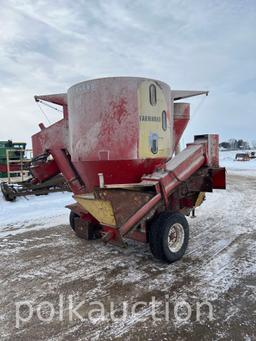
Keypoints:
(100, 209)
(150, 122)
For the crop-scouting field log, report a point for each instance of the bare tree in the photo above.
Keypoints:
(253, 144)
(233, 143)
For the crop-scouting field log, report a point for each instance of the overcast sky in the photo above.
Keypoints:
(47, 46)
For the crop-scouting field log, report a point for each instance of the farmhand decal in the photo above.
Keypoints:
(154, 121)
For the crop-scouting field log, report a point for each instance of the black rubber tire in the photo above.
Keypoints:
(158, 236)
(8, 195)
(93, 229)
(72, 217)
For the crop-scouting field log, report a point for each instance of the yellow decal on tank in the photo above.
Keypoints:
(154, 121)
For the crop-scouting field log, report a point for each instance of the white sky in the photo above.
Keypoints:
(47, 46)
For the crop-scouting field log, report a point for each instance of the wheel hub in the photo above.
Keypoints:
(175, 237)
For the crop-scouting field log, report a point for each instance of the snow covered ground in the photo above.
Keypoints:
(33, 212)
(41, 259)
(227, 159)
(219, 267)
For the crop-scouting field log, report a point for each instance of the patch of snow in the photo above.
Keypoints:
(33, 212)
(246, 168)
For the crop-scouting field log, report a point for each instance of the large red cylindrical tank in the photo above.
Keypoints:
(121, 127)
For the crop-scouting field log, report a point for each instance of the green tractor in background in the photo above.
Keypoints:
(17, 151)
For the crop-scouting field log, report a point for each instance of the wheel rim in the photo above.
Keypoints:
(175, 237)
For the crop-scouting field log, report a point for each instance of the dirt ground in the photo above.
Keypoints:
(52, 264)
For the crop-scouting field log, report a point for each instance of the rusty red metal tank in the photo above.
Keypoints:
(121, 127)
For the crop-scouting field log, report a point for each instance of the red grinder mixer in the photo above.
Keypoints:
(116, 146)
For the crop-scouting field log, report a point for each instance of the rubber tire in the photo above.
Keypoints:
(72, 217)
(94, 230)
(158, 236)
